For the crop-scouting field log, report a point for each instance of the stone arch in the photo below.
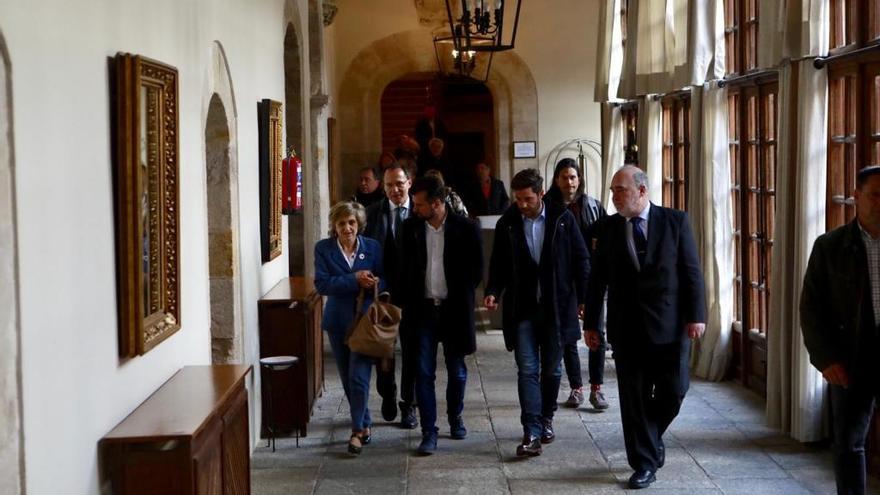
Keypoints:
(221, 172)
(11, 435)
(383, 61)
(295, 136)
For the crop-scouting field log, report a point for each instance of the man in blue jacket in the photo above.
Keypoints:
(540, 266)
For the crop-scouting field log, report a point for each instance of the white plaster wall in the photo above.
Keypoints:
(75, 388)
(557, 40)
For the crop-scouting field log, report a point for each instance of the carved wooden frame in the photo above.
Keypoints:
(146, 122)
(269, 129)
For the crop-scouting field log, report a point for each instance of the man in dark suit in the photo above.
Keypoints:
(487, 196)
(646, 257)
(540, 266)
(442, 266)
(385, 224)
(840, 311)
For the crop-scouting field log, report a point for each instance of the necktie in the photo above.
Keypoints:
(641, 243)
(398, 219)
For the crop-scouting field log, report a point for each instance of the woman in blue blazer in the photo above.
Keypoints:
(345, 263)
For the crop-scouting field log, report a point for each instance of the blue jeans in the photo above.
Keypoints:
(354, 372)
(429, 336)
(538, 356)
(851, 410)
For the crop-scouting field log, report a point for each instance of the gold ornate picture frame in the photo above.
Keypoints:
(269, 124)
(145, 112)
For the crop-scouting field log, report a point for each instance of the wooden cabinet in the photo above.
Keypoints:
(189, 437)
(290, 325)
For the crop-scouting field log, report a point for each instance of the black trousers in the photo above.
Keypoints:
(851, 409)
(652, 381)
(386, 384)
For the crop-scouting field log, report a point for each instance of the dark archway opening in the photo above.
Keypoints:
(293, 125)
(465, 121)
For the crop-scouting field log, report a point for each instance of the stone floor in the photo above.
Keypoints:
(718, 444)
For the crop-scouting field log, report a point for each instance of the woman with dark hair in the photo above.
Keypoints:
(345, 264)
(568, 191)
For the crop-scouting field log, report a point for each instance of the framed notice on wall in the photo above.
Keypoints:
(524, 149)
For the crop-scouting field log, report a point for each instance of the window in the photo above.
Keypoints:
(853, 104)
(752, 100)
(676, 149)
(741, 35)
(630, 115)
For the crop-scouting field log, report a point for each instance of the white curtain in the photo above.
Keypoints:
(609, 51)
(650, 141)
(791, 29)
(711, 215)
(795, 390)
(671, 44)
(612, 150)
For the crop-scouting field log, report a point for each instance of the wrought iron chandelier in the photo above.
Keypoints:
(475, 26)
(481, 25)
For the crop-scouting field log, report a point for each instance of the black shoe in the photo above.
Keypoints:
(456, 428)
(366, 436)
(428, 444)
(389, 406)
(408, 420)
(641, 479)
(661, 456)
(547, 434)
(530, 447)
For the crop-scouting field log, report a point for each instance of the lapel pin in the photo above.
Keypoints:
(361, 256)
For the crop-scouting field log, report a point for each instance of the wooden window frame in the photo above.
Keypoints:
(629, 113)
(741, 36)
(752, 140)
(676, 149)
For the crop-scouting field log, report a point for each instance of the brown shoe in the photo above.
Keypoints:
(530, 447)
(575, 398)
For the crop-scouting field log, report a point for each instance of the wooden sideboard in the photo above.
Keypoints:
(190, 437)
(290, 325)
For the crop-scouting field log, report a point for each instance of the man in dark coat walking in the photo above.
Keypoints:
(840, 311)
(646, 257)
(539, 266)
(442, 266)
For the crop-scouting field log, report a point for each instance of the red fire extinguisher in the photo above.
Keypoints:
(291, 177)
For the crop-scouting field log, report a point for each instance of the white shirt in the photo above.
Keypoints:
(630, 243)
(435, 275)
(349, 258)
(403, 214)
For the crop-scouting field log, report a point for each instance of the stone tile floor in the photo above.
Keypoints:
(718, 444)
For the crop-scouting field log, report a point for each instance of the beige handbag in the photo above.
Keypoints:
(375, 331)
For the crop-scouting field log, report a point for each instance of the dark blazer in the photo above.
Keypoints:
(334, 279)
(463, 265)
(378, 228)
(563, 271)
(836, 308)
(653, 305)
(496, 204)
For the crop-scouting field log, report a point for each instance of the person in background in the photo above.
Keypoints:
(567, 191)
(368, 190)
(443, 264)
(840, 312)
(345, 264)
(428, 126)
(453, 200)
(384, 223)
(386, 159)
(436, 160)
(647, 259)
(539, 265)
(488, 196)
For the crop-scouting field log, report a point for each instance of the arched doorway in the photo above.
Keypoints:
(226, 325)
(11, 441)
(293, 124)
(513, 89)
(465, 122)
